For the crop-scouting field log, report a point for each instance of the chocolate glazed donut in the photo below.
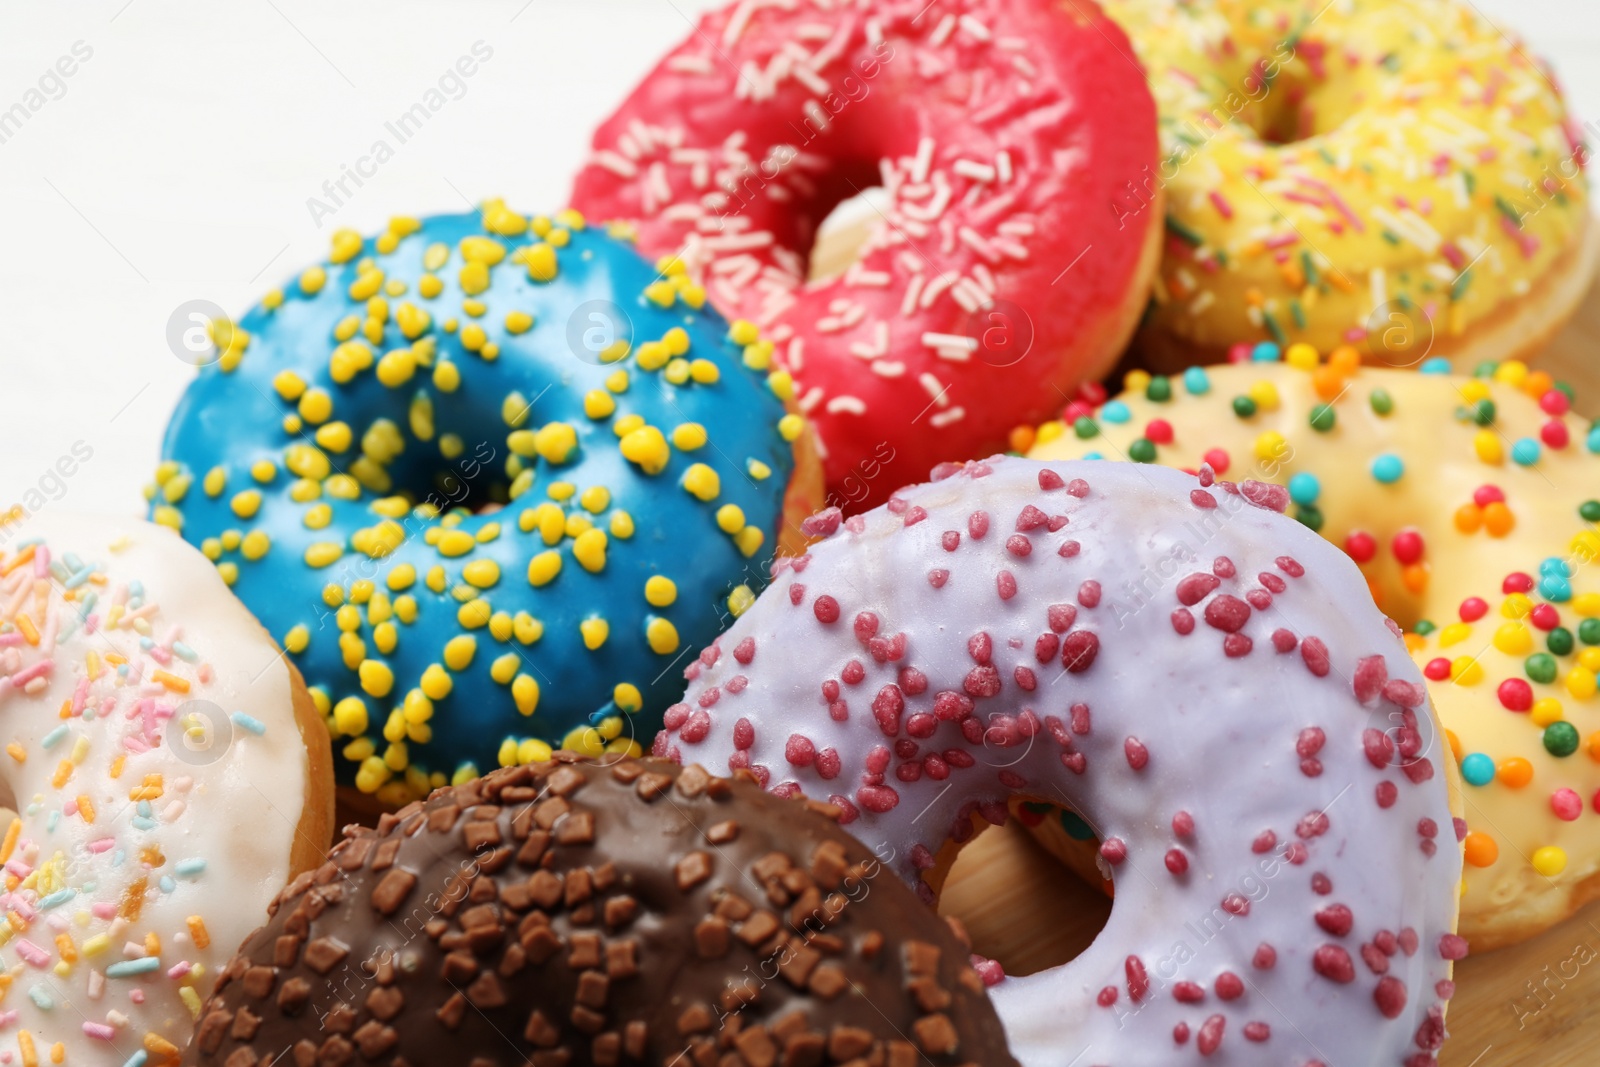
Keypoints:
(569, 913)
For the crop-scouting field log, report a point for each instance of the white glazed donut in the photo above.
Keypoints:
(170, 773)
(1253, 746)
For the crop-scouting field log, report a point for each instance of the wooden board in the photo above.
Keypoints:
(1534, 1003)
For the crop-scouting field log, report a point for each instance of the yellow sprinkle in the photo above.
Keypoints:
(617, 381)
(1301, 356)
(446, 377)
(730, 518)
(255, 545)
(758, 470)
(790, 427)
(13, 833)
(1466, 670)
(647, 447)
(704, 371)
(1549, 860)
(246, 504)
(436, 683)
(1581, 683)
(662, 636)
(316, 406)
(661, 293)
(322, 553)
(660, 591)
(556, 442)
(483, 573)
(595, 499)
(595, 632)
(590, 551)
(541, 262)
(598, 404)
(744, 332)
(543, 568)
(689, 436)
(518, 322)
(455, 543)
(458, 652)
(1514, 639)
(297, 639)
(758, 356)
(740, 599)
(1487, 446)
(525, 693)
(781, 384)
(627, 697)
(504, 668)
(1545, 711)
(1270, 446)
(749, 540)
(677, 371)
(702, 482)
(621, 524)
(376, 678)
(312, 280)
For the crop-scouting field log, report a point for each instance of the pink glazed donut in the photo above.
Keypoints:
(1206, 681)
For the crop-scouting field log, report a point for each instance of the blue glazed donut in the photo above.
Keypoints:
(490, 480)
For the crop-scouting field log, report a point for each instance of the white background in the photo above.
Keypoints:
(178, 163)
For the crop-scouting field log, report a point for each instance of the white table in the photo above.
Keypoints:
(178, 160)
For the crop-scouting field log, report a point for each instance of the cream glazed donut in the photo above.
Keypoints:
(170, 775)
(1252, 750)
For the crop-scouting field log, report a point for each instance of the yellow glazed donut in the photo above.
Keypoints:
(1379, 173)
(1469, 504)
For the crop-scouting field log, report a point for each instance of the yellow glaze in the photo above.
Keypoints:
(1382, 173)
(1444, 488)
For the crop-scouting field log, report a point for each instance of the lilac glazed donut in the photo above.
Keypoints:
(1205, 680)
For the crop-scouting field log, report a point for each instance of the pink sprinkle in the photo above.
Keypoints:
(28, 674)
(99, 1031)
(1224, 208)
(32, 953)
(179, 969)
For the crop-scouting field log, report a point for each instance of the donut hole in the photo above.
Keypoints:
(458, 469)
(1020, 904)
(843, 231)
(1294, 104)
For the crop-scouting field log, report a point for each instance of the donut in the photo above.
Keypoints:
(146, 719)
(1379, 173)
(1469, 504)
(1251, 751)
(1002, 133)
(570, 913)
(487, 477)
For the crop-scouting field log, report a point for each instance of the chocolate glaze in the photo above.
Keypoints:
(570, 913)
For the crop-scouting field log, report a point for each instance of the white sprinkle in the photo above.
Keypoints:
(974, 27)
(874, 31)
(924, 160)
(1200, 303)
(616, 163)
(931, 291)
(970, 238)
(811, 399)
(859, 275)
(736, 24)
(690, 64)
(949, 340)
(977, 171)
(811, 80)
(934, 388)
(849, 405)
(884, 368)
(909, 302)
(817, 113)
(942, 419)
(1002, 166)
(984, 278)
(1010, 248)
(796, 358)
(962, 295)
(739, 242)
(1016, 228)
(941, 33)
(1379, 284)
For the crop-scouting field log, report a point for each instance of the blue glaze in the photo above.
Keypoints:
(235, 419)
